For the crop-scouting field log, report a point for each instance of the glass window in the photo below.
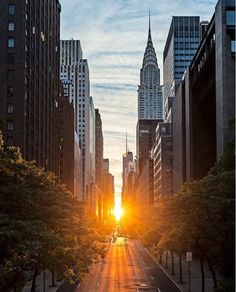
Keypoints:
(9, 125)
(11, 9)
(11, 26)
(230, 17)
(10, 108)
(11, 42)
(233, 46)
(10, 91)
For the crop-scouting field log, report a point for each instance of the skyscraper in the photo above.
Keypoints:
(182, 42)
(75, 77)
(29, 78)
(150, 98)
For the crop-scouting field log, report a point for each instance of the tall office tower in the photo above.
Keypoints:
(29, 78)
(75, 77)
(150, 97)
(98, 147)
(70, 56)
(182, 42)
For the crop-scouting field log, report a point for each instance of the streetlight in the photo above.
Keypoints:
(189, 258)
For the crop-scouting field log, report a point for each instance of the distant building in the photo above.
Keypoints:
(29, 79)
(144, 192)
(204, 107)
(92, 163)
(181, 44)
(162, 156)
(145, 134)
(128, 160)
(99, 164)
(98, 147)
(108, 192)
(150, 95)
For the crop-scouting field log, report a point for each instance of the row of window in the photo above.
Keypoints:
(10, 73)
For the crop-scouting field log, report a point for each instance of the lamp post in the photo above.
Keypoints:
(189, 258)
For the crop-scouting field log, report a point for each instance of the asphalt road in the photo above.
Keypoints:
(127, 267)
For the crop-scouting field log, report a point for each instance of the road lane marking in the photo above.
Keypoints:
(98, 284)
(78, 285)
(134, 277)
(159, 290)
(163, 270)
(152, 278)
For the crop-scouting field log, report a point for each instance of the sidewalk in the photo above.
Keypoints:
(39, 283)
(195, 274)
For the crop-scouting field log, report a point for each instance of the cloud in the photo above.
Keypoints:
(113, 35)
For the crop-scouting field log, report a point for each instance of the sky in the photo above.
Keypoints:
(113, 35)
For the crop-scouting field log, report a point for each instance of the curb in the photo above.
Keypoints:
(164, 270)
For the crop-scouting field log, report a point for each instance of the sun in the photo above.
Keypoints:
(118, 212)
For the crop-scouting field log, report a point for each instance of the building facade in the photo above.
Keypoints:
(99, 164)
(75, 77)
(150, 95)
(108, 192)
(146, 130)
(66, 143)
(162, 156)
(29, 78)
(182, 42)
(204, 107)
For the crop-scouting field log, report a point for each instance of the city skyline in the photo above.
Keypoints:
(114, 41)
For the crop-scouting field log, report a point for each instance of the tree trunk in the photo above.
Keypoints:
(172, 263)
(160, 259)
(213, 273)
(53, 278)
(202, 272)
(180, 269)
(166, 259)
(33, 286)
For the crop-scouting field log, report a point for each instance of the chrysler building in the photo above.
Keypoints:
(150, 95)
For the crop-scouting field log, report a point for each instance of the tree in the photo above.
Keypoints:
(42, 225)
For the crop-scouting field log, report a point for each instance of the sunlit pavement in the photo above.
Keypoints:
(127, 267)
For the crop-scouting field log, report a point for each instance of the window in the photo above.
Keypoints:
(10, 75)
(10, 58)
(11, 9)
(9, 125)
(9, 140)
(10, 91)
(11, 26)
(11, 42)
(230, 17)
(233, 46)
(163, 130)
(10, 108)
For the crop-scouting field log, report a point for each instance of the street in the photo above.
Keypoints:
(127, 267)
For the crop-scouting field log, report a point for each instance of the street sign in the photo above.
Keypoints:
(189, 256)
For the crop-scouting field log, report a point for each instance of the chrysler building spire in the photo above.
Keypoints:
(150, 91)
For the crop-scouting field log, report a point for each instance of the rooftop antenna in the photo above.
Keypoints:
(149, 20)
